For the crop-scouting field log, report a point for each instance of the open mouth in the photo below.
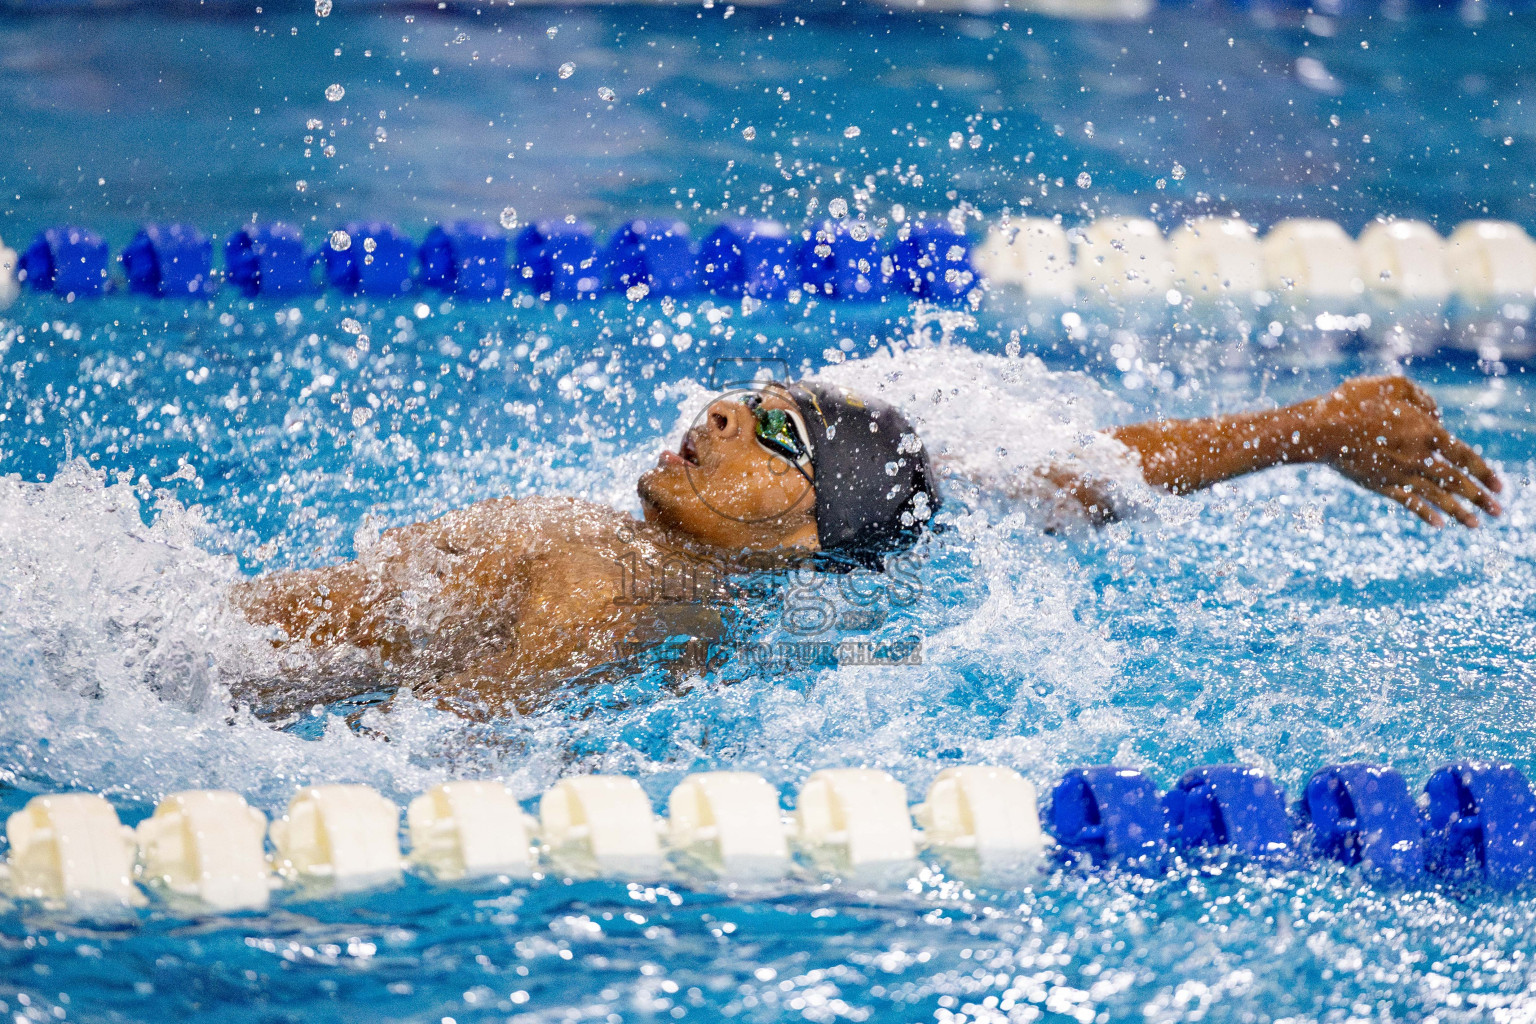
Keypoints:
(689, 453)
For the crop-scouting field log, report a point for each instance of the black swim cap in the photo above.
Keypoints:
(874, 486)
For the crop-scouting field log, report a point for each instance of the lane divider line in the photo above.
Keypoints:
(1109, 259)
(204, 849)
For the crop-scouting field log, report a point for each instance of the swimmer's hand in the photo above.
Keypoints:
(1385, 434)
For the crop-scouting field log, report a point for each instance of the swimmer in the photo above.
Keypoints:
(500, 605)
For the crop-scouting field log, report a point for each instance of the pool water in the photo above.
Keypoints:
(159, 451)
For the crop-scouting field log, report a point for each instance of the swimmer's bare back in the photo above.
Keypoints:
(487, 609)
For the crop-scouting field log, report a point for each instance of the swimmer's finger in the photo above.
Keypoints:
(1414, 503)
(1462, 454)
(1438, 497)
(1456, 480)
(1422, 398)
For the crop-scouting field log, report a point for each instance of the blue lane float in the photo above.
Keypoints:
(467, 259)
(842, 262)
(67, 261)
(1229, 805)
(931, 260)
(1362, 814)
(1481, 816)
(655, 254)
(169, 260)
(747, 257)
(560, 260)
(1113, 814)
(268, 259)
(376, 259)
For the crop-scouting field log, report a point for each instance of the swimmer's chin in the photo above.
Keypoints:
(652, 490)
(668, 502)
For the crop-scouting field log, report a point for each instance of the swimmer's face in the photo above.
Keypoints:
(725, 488)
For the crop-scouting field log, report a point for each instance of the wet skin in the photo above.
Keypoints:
(493, 607)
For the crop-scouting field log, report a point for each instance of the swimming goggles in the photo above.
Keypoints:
(782, 432)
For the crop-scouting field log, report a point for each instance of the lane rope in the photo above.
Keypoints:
(1398, 265)
(210, 850)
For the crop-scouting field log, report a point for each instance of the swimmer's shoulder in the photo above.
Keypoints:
(531, 523)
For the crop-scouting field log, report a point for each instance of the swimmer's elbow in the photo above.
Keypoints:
(1082, 498)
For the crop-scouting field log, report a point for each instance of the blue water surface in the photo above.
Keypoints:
(159, 451)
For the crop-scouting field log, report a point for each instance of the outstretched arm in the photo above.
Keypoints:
(1384, 433)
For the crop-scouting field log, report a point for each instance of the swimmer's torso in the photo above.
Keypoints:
(495, 604)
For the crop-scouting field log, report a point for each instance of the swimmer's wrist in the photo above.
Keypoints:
(1304, 436)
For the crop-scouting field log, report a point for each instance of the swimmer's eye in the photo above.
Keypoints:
(778, 431)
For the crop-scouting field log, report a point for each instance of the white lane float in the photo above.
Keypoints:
(855, 819)
(346, 834)
(469, 830)
(208, 845)
(71, 848)
(1032, 254)
(1404, 259)
(987, 814)
(1491, 260)
(600, 825)
(10, 288)
(1216, 257)
(730, 823)
(1123, 258)
(1308, 258)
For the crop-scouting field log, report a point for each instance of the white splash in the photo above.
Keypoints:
(116, 642)
(999, 422)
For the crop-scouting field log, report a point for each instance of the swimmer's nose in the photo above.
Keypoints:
(725, 418)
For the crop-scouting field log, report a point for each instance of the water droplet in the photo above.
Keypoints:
(1084, 180)
(1509, 140)
(334, 92)
(351, 326)
(838, 207)
(301, 185)
(314, 124)
(1333, 119)
(956, 140)
(322, 8)
(380, 134)
(340, 240)
(567, 69)
(1177, 173)
(898, 212)
(552, 31)
(509, 217)
(370, 244)
(606, 94)
(851, 132)
(1161, 183)
(749, 133)
(1088, 128)
(859, 231)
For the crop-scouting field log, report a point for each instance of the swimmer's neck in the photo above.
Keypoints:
(675, 541)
